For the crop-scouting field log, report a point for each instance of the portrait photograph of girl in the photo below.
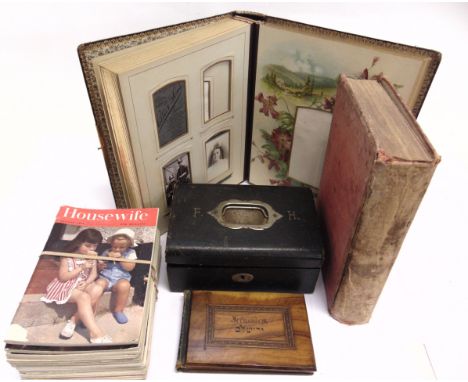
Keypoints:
(217, 156)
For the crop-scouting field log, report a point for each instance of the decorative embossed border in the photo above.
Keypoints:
(210, 339)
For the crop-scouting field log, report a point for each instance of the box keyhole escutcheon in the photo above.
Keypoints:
(242, 277)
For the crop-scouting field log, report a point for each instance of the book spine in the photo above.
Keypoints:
(394, 195)
(184, 331)
(156, 266)
(348, 164)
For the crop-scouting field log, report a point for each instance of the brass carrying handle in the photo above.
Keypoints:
(249, 214)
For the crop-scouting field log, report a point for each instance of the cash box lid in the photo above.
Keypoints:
(243, 225)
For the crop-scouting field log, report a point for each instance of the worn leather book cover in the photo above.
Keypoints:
(378, 166)
(245, 331)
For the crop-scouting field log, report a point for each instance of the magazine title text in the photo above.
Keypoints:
(80, 216)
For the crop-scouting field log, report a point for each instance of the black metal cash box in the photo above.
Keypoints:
(239, 237)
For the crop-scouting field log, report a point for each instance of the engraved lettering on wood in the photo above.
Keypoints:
(249, 326)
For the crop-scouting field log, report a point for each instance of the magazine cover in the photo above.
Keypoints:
(90, 284)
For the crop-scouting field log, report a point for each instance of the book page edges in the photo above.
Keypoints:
(405, 111)
(414, 129)
(118, 129)
(128, 59)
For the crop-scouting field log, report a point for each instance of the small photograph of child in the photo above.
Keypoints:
(81, 301)
(217, 155)
(176, 171)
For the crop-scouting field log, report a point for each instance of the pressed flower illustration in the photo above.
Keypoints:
(328, 103)
(289, 89)
(268, 105)
(276, 149)
(366, 75)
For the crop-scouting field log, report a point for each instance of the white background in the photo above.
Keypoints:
(49, 156)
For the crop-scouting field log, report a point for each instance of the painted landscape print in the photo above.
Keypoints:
(301, 70)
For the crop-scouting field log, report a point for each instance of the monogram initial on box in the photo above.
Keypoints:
(239, 237)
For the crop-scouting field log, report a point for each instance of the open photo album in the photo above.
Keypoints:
(231, 98)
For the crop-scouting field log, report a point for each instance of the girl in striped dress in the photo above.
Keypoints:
(74, 280)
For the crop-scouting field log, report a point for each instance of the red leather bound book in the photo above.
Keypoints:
(377, 168)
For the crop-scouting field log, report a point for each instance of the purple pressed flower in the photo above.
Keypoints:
(268, 105)
(328, 103)
(283, 143)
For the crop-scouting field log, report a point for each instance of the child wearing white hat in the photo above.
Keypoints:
(115, 276)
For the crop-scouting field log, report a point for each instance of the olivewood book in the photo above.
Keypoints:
(230, 98)
(88, 309)
(245, 332)
(378, 166)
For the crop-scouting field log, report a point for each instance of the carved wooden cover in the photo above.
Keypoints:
(242, 331)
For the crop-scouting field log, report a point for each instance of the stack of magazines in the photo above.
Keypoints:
(88, 309)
